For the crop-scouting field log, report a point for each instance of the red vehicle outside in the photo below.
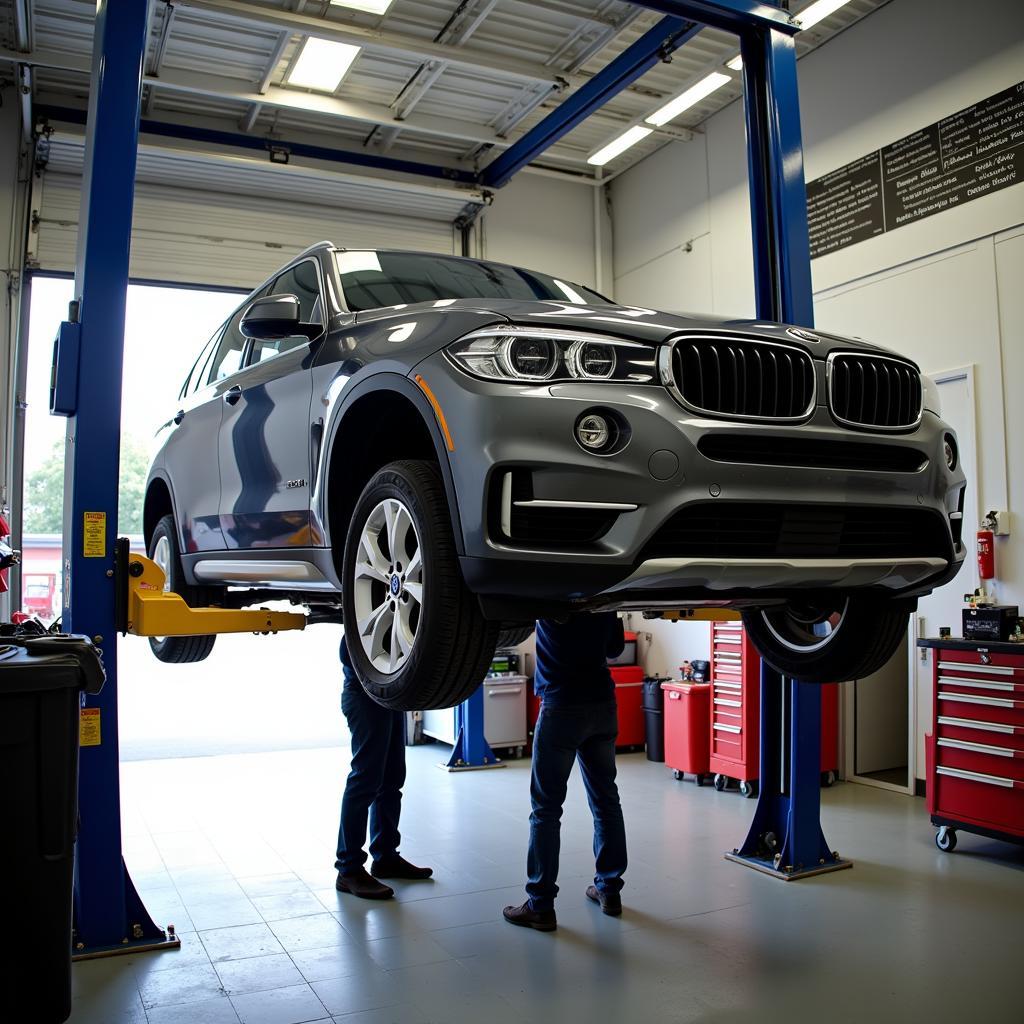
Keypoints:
(38, 592)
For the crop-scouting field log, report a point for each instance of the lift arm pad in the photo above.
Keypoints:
(146, 609)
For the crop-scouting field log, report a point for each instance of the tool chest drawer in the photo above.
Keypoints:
(735, 703)
(975, 762)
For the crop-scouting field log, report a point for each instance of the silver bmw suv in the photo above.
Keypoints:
(440, 450)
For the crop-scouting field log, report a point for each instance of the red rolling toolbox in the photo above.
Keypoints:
(975, 751)
(687, 729)
(629, 697)
(736, 712)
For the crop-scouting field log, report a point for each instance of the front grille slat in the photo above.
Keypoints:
(872, 391)
(818, 453)
(743, 378)
(773, 529)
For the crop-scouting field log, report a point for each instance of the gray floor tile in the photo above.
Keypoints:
(314, 932)
(184, 985)
(206, 1011)
(257, 974)
(406, 951)
(272, 885)
(243, 941)
(404, 1013)
(286, 905)
(188, 954)
(293, 1005)
(333, 962)
(360, 992)
(227, 913)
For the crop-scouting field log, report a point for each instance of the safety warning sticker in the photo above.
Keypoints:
(94, 535)
(89, 727)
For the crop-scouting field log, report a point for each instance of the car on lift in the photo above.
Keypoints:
(439, 450)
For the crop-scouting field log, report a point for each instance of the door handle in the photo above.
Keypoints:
(179, 416)
(232, 395)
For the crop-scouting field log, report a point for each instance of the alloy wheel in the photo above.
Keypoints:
(388, 585)
(805, 628)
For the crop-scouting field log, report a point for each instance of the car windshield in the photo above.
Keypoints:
(374, 279)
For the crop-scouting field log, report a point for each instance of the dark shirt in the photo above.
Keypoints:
(572, 658)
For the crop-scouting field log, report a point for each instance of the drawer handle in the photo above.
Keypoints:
(992, 702)
(726, 728)
(729, 703)
(981, 748)
(991, 780)
(978, 684)
(970, 723)
(992, 670)
(505, 691)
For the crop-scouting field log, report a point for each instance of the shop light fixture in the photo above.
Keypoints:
(818, 11)
(322, 64)
(619, 145)
(690, 98)
(736, 63)
(367, 6)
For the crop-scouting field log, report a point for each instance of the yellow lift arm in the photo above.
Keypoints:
(146, 609)
(702, 615)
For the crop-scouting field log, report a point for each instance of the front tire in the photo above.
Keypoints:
(416, 635)
(163, 549)
(828, 641)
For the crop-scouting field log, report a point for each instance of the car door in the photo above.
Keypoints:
(265, 439)
(189, 457)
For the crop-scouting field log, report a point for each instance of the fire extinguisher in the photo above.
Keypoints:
(7, 556)
(986, 554)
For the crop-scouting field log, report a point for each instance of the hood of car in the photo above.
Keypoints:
(636, 322)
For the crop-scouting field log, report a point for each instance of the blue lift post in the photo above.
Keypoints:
(109, 916)
(471, 752)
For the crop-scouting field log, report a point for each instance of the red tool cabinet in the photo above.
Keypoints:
(736, 712)
(975, 752)
(629, 698)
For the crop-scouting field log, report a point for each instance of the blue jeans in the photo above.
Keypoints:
(374, 786)
(562, 735)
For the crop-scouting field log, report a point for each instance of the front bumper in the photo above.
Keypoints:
(527, 430)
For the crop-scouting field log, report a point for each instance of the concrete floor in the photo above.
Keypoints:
(236, 851)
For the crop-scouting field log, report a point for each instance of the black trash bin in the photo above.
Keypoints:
(654, 719)
(40, 682)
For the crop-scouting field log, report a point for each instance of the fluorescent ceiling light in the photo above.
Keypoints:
(818, 11)
(619, 145)
(736, 63)
(322, 64)
(690, 98)
(369, 6)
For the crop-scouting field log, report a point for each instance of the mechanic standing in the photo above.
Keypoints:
(578, 720)
(374, 791)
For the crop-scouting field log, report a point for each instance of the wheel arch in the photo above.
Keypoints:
(358, 447)
(158, 503)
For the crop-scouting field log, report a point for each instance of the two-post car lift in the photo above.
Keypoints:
(109, 916)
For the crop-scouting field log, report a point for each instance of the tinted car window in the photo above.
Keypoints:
(229, 351)
(302, 282)
(195, 377)
(372, 279)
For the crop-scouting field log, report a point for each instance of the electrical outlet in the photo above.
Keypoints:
(998, 521)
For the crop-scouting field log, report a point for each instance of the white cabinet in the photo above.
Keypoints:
(504, 714)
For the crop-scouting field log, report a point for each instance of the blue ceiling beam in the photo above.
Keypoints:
(651, 48)
(730, 15)
(190, 133)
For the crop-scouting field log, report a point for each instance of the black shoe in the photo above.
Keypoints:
(610, 902)
(539, 920)
(398, 867)
(359, 883)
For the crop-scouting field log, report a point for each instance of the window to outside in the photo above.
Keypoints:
(372, 279)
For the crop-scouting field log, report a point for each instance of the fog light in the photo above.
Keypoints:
(594, 432)
(949, 451)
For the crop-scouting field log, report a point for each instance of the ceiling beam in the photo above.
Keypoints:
(381, 40)
(23, 26)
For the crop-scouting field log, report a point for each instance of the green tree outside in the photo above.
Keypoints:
(44, 491)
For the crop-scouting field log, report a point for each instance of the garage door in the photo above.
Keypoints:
(232, 222)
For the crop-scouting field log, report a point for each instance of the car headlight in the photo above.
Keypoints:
(538, 354)
(932, 401)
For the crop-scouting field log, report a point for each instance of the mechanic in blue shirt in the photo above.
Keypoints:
(578, 720)
(374, 791)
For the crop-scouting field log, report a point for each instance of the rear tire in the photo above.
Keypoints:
(419, 642)
(828, 642)
(163, 549)
(513, 636)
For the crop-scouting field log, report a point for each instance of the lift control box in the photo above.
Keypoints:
(64, 370)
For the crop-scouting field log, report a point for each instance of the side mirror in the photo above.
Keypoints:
(276, 316)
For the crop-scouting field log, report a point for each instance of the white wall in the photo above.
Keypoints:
(546, 224)
(903, 67)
